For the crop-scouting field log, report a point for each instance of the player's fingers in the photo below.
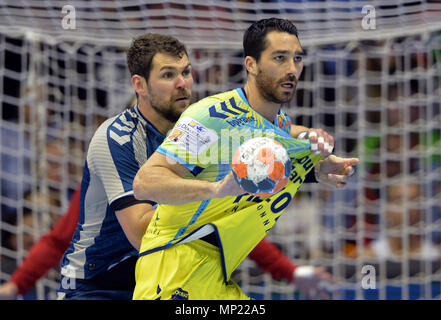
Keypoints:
(303, 135)
(351, 161)
(349, 171)
(312, 136)
(337, 180)
(337, 177)
(331, 144)
(324, 295)
(326, 145)
(321, 145)
(328, 142)
(318, 137)
(321, 141)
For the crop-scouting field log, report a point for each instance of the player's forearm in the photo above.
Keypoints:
(296, 130)
(137, 230)
(165, 187)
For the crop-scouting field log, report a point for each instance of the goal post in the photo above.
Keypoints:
(371, 78)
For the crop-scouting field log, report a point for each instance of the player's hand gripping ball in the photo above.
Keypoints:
(261, 166)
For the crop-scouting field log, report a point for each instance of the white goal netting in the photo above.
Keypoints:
(375, 87)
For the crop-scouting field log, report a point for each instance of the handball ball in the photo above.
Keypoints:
(261, 166)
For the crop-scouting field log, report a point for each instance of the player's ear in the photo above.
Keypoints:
(251, 65)
(139, 84)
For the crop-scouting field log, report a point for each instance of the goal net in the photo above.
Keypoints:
(372, 78)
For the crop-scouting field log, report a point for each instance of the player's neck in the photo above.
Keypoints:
(265, 108)
(162, 124)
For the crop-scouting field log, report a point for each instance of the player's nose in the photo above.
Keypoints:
(180, 82)
(292, 68)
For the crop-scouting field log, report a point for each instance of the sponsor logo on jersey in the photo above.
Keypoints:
(192, 136)
(282, 122)
(180, 294)
(197, 126)
(176, 135)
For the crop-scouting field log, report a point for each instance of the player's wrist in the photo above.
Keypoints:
(317, 174)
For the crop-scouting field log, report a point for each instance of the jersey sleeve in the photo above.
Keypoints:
(193, 142)
(114, 156)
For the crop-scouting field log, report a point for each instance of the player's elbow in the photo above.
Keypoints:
(140, 191)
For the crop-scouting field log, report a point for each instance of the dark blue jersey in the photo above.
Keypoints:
(118, 149)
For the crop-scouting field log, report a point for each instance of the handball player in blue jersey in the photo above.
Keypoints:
(100, 262)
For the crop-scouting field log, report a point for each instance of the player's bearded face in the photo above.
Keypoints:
(271, 87)
(279, 67)
(169, 85)
(170, 106)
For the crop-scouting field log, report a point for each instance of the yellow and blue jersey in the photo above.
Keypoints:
(203, 140)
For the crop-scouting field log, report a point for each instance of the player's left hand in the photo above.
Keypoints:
(8, 291)
(321, 141)
(335, 171)
(311, 281)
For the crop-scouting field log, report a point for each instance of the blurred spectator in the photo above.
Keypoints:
(401, 198)
(44, 255)
(17, 235)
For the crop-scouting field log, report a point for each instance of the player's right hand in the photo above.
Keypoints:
(321, 141)
(227, 187)
(8, 291)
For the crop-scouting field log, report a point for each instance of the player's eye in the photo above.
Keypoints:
(168, 75)
(186, 72)
(298, 58)
(279, 58)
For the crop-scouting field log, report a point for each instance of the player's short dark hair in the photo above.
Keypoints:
(143, 49)
(254, 39)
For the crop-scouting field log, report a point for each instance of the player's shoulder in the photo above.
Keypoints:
(219, 106)
(125, 122)
(216, 98)
(116, 130)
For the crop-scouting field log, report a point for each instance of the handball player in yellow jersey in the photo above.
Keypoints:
(205, 225)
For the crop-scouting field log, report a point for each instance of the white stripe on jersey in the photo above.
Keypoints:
(120, 139)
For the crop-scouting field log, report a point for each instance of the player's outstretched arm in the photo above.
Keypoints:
(161, 180)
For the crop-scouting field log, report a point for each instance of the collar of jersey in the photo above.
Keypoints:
(147, 122)
(242, 94)
(277, 129)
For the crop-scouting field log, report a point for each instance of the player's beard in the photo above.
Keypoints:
(170, 109)
(271, 88)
